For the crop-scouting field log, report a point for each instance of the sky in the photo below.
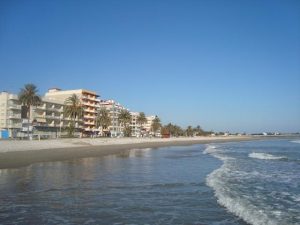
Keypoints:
(229, 65)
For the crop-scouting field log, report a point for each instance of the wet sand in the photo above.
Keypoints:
(15, 159)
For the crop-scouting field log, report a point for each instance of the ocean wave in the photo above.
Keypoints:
(241, 207)
(210, 149)
(296, 141)
(265, 156)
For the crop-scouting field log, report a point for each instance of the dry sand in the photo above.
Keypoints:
(22, 153)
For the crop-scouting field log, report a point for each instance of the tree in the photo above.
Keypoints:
(125, 120)
(103, 119)
(199, 131)
(28, 97)
(141, 119)
(174, 130)
(189, 131)
(155, 124)
(73, 109)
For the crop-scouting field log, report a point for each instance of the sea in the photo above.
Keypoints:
(234, 183)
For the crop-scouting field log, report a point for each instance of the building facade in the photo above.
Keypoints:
(135, 126)
(49, 121)
(89, 100)
(114, 110)
(46, 120)
(10, 114)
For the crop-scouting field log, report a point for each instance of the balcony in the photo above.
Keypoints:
(89, 103)
(53, 117)
(14, 125)
(14, 107)
(40, 107)
(54, 109)
(89, 123)
(90, 111)
(14, 116)
(88, 117)
(70, 119)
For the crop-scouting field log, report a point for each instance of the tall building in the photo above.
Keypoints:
(89, 100)
(148, 127)
(135, 126)
(10, 113)
(114, 110)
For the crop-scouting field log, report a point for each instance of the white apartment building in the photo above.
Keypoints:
(49, 121)
(135, 126)
(10, 114)
(89, 100)
(138, 130)
(47, 118)
(114, 110)
(148, 127)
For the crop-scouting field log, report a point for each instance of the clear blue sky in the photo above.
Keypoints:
(225, 65)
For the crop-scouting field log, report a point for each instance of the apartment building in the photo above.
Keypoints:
(114, 110)
(10, 114)
(46, 120)
(89, 100)
(148, 127)
(135, 126)
(138, 130)
(49, 121)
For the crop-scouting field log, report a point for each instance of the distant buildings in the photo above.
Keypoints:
(48, 121)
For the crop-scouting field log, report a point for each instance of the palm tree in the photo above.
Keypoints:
(155, 124)
(141, 119)
(28, 97)
(103, 119)
(189, 131)
(73, 109)
(174, 130)
(199, 131)
(125, 120)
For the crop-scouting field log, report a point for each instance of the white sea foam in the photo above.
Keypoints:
(241, 207)
(257, 155)
(296, 141)
(210, 149)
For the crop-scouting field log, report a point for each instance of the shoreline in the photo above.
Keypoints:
(22, 155)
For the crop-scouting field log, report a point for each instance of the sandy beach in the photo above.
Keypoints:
(15, 153)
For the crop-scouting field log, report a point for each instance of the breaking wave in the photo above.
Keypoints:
(265, 156)
(210, 149)
(241, 207)
(251, 189)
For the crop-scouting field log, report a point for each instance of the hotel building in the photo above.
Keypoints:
(46, 120)
(138, 130)
(114, 110)
(148, 127)
(49, 121)
(89, 100)
(10, 113)
(135, 127)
